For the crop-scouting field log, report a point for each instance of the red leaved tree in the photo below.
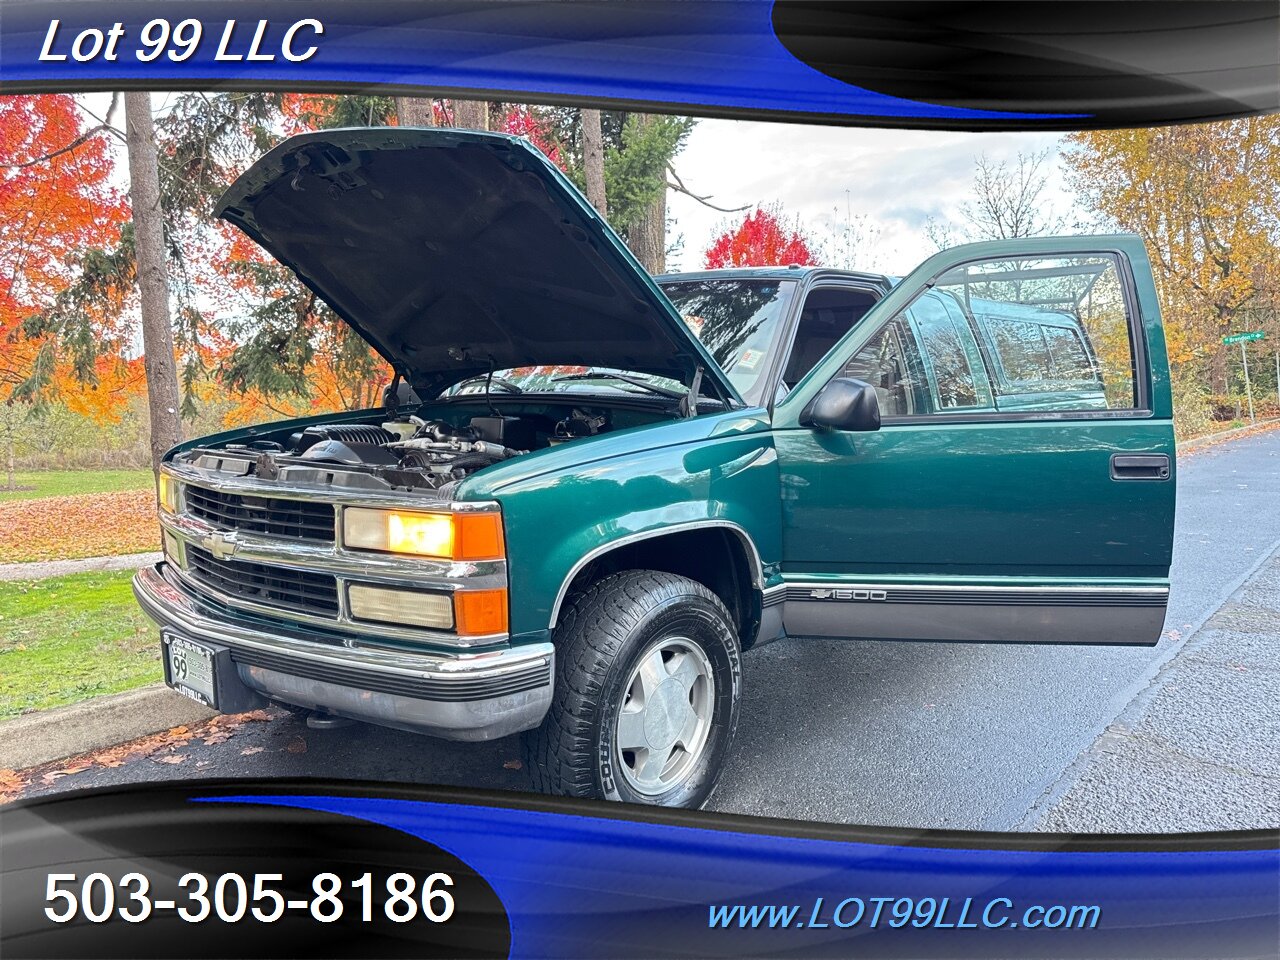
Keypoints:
(764, 238)
(521, 121)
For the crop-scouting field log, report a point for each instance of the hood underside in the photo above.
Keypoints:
(453, 250)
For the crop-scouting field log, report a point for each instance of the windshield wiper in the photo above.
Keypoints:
(622, 377)
(500, 381)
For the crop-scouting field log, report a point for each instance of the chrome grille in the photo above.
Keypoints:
(296, 590)
(274, 516)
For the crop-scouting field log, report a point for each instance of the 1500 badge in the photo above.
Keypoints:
(848, 593)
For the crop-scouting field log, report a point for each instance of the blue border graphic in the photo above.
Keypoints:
(570, 881)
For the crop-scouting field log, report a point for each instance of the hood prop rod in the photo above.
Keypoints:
(488, 389)
(689, 405)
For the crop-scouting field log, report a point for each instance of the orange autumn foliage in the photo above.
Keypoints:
(1204, 198)
(57, 200)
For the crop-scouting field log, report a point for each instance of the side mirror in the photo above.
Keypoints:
(844, 404)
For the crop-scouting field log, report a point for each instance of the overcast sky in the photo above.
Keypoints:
(897, 179)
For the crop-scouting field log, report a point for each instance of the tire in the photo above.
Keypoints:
(605, 648)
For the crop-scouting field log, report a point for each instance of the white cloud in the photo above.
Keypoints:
(897, 179)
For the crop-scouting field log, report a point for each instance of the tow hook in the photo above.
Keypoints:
(327, 721)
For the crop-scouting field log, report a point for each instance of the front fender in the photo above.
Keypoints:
(558, 521)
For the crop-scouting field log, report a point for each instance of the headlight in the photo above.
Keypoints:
(446, 536)
(168, 494)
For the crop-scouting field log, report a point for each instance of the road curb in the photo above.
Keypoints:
(45, 735)
(1194, 444)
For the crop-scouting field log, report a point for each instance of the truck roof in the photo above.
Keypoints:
(781, 272)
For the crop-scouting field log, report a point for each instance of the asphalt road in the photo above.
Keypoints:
(900, 734)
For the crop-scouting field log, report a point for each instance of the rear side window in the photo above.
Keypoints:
(1055, 331)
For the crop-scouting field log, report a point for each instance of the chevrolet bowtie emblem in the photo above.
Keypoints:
(221, 545)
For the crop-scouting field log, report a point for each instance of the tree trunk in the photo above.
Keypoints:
(153, 278)
(8, 446)
(471, 114)
(649, 236)
(593, 161)
(1218, 371)
(415, 111)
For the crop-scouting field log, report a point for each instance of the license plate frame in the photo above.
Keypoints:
(190, 667)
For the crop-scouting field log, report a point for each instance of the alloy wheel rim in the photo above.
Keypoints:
(666, 714)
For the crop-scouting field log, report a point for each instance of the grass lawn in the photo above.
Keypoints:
(71, 638)
(58, 483)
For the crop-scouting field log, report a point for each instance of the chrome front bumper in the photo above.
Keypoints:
(462, 696)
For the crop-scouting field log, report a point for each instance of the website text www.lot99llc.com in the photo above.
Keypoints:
(896, 912)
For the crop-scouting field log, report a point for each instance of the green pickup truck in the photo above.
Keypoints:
(589, 491)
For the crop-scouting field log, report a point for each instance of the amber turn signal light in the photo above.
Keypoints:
(478, 536)
(480, 612)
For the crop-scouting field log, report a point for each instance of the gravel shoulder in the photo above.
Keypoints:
(41, 569)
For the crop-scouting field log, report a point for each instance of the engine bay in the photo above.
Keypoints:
(405, 453)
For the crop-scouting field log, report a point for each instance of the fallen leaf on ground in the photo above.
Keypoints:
(14, 782)
(66, 772)
(297, 745)
(250, 751)
(53, 775)
(82, 525)
(513, 765)
(11, 784)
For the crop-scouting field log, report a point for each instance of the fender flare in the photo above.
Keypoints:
(753, 554)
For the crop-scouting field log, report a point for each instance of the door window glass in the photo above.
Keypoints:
(891, 364)
(1021, 348)
(1021, 335)
(1072, 363)
(1056, 330)
(948, 344)
(924, 361)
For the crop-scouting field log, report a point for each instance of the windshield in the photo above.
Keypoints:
(736, 319)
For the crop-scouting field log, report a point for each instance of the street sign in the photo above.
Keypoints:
(1244, 337)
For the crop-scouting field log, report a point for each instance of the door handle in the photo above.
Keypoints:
(1139, 466)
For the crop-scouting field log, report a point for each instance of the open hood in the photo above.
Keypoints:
(449, 250)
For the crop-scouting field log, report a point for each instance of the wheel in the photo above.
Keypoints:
(648, 679)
